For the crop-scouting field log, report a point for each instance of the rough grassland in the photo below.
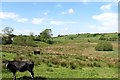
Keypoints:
(66, 58)
(86, 72)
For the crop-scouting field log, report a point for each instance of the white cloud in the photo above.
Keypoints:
(106, 17)
(106, 7)
(5, 15)
(69, 11)
(11, 15)
(55, 22)
(38, 20)
(22, 19)
(107, 22)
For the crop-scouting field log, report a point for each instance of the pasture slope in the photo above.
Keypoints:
(68, 57)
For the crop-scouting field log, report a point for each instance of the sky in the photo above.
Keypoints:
(61, 17)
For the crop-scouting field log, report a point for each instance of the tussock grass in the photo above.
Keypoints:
(66, 58)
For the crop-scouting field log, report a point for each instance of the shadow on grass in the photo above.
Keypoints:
(26, 78)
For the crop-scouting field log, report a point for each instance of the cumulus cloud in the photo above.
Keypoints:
(22, 19)
(55, 22)
(11, 15)
(106, 7)
(38, 20)
(107, 22)
(5, 15)
(69, 11)
(105, 17)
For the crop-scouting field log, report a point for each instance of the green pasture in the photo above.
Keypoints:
(70, 56)
(43, 70)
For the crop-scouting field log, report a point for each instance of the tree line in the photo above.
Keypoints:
(26, 40)
(46, 36)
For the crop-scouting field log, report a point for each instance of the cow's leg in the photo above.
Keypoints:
(14, 74)
(32, 73)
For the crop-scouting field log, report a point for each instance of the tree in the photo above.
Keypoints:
(31, 34)
(46, 35)
(8, 30)
(7, 37)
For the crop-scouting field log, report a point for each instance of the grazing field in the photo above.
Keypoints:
(66, 58)
(54, 71)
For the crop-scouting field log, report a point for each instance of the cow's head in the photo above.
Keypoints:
(6, 63)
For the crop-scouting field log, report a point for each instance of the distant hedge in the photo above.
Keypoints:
(104, 46)
(23, 41)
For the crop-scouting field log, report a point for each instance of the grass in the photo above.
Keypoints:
(86, 72)
(66, 58)
(55, 71)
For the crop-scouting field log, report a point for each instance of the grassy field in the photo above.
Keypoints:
(66, 58)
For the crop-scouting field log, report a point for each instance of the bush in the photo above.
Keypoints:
(6, 40)
(64, 64)
(104, 46)
(23, 41)
(49, 64)
(73, 65)
(108, 37)
(50, 70)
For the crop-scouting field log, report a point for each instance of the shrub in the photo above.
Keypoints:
(108, 37)
(71, 38)
(49, 64)
(97, 64)
(104, 46)
(64, 64)
(73, 65)
(6, 40)
(23, 41)
(50, 70)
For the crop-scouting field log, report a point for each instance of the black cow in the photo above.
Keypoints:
(37, 52)
(21, 66)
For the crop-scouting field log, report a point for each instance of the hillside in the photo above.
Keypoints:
(68, 55)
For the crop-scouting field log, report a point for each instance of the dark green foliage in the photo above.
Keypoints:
(23, 41)
(49, 64)
(71, 38)
(104, 46)
(109, 37)
(45, 36)
(50, 69)
(119, 36)
(36, 38)
(60, 36)
(64, 63)
(7, 40)
(94, 35)
(73, 65)
(96, 64)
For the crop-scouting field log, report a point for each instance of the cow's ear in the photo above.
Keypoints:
(4, 61)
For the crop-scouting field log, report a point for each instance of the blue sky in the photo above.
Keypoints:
(62, 17)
